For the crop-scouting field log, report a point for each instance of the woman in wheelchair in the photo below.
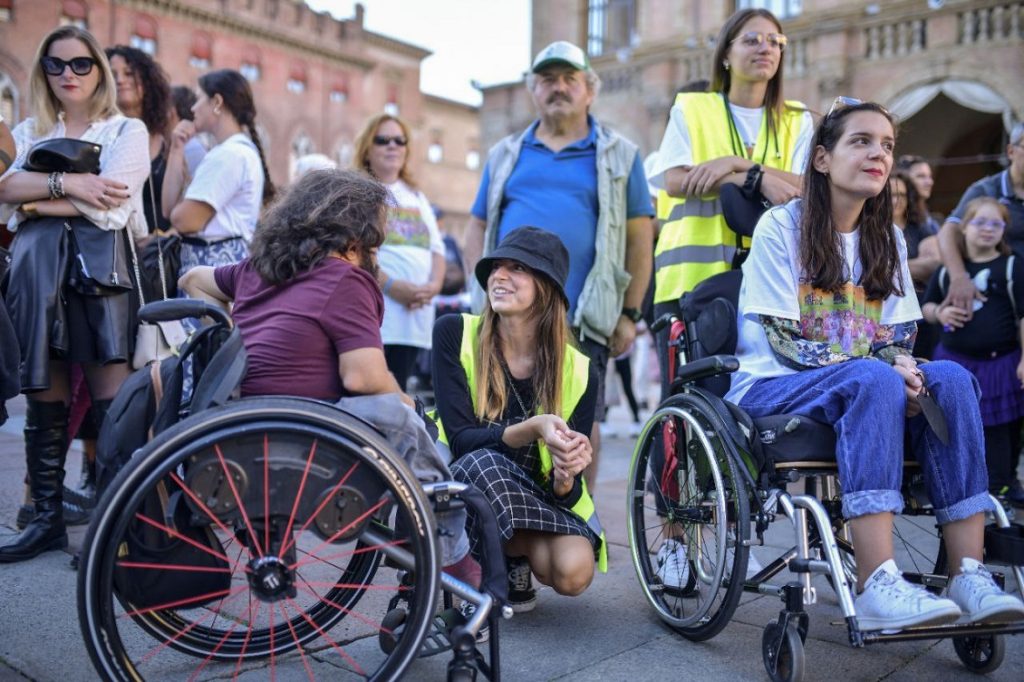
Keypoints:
(827, 319)
(309, 309)
(516, 401)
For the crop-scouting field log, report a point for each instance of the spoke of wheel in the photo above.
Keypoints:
(358, 668)
(213, 652)
(162, 645)
(172, 567)
(313, 553)
(355, 586)
(174, 533)
(184, 602)
(206, 510)
(366, 619)
(298, 495)
(327, 498)
(266, 491)
(238, 500)
(295, 637)
(248, 636)
(352, 552)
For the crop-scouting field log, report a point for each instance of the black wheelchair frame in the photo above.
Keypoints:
(702, 466)
(227, 518)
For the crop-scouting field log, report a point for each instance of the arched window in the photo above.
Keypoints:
(391, 102)
(144, 34)
(6, 10)
(251, 64)
(74, 13)
(343, 152)
(435, 152)
(8, 100)
(202, 50)
(339, 89)
(297, 78)
(302, 144)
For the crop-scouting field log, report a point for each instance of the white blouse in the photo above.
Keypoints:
(124, 157)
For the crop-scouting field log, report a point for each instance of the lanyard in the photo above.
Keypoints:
(736, 142)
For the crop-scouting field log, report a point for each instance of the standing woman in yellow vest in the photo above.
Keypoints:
(515, 402)
(740, 131)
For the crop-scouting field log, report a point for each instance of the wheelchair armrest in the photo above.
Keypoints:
(713, 365)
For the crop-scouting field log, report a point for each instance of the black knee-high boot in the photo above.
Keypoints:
(46, 446)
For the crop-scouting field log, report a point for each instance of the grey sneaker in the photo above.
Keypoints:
(890, 603)
(978, 596)
(521, 595)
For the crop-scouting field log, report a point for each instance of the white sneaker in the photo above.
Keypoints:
(634, 429)
(890, 603)
(978, 596)
(673, 566)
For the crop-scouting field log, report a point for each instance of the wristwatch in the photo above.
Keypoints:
(633, 313)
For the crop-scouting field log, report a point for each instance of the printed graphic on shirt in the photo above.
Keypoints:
(406, 228)
(846, 321)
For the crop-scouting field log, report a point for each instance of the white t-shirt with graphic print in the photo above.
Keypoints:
(412, 239)
(773, 285)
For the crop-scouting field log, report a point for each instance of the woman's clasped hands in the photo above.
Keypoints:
(571, 451)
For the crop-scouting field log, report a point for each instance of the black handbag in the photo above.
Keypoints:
(64, 155)
(140, 582)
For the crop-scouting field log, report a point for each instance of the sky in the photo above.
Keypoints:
(483, 40)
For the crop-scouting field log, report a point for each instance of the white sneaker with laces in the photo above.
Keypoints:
(673, 566)
(978, 596)
(890, 603)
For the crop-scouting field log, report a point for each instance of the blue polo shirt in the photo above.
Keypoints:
(1000, 187)
(557, 191)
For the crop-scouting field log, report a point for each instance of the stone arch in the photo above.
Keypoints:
(9, 101)
(302, 143)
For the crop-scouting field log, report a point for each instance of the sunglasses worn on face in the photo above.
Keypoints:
(384, 140)
(754, 39)
(990, 224)
(54, 66)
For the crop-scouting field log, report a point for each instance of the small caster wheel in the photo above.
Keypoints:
(783, 653)
(391, 629)
(980, 654)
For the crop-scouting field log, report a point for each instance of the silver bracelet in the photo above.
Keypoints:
(60, 186)
(55, 183)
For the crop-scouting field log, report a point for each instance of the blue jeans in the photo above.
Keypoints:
(865, 401)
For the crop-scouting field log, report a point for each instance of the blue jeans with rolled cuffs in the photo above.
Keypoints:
(865, 401)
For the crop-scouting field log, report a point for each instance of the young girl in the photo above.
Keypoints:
(836, 254)
(988, 344)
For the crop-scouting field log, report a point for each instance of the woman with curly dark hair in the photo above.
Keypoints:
(144, 92)
(309, 309)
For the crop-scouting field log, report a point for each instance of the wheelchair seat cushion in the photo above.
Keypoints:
(795, 438)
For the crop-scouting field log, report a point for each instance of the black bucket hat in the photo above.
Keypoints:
(537, 249)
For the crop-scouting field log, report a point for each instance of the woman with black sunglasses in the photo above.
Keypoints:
(412, 257)
(69, 288)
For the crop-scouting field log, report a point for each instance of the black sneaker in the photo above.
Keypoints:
(521, 595)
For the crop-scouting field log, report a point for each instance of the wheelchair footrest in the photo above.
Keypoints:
(1005, 545)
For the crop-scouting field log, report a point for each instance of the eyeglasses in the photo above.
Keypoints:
(990, 224)
(384, 140)
(54, 66)
(754, 39)
(840, 103)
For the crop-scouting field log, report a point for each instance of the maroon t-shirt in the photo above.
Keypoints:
(294, 332)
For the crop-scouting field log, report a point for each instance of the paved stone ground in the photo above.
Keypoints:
(608, 633)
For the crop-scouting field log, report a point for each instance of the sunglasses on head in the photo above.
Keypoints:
(54, 66)
(755, 39)
(840, 103)
(385, 140)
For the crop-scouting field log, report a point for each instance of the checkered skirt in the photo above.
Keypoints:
(517, 500)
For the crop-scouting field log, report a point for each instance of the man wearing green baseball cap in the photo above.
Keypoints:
(572, 176)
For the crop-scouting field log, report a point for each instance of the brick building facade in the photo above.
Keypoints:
(315, 78)
(951, 69)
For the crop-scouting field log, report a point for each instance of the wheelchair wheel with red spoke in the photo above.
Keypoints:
(268, 529)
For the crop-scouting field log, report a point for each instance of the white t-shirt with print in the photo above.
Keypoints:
(676, 150)
(412, 239)
(773, 285)
(229, 179)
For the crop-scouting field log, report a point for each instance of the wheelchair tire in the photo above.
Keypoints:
(788, 664)
(982, 654)
(695, 494)
(302, 499)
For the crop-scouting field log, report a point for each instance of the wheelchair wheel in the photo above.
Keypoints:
(783, 653)
(695, 494)
(252, 531)
(982, 654)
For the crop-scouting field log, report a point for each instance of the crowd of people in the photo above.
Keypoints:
(850, 282)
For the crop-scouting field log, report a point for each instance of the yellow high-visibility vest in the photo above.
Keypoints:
(695, 242)
(575, 372)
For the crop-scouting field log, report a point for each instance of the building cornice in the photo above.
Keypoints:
(388, 43)
(454, 104)
(239, 25)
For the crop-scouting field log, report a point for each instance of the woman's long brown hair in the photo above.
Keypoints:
(491, 398)
(821, 249)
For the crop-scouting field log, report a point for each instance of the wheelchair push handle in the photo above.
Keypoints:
(662, 322)
(180, 308)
